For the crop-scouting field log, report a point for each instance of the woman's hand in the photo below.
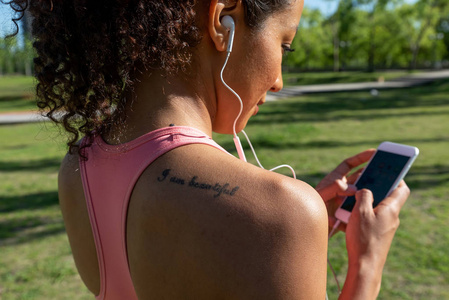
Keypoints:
(369, 234)
(335, 186)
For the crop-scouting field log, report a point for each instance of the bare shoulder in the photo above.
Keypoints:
(241, 231)
(76, 220)
(69, 167)
(70, 188)
(69, 179)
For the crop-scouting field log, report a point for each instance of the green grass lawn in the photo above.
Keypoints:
(35, 260)
(312, 133)
(308, 78)
(17, 93)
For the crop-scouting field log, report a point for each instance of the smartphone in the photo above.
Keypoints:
(384, 171)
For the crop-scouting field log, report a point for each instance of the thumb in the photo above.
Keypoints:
(364, 202)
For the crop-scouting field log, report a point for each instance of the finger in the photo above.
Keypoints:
(349, 191)
(354, 161)
(353, 177)
(364, 202)
(337, 188)
(340, 199)
(398, 197)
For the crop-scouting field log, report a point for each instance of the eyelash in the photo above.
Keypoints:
(287, 49)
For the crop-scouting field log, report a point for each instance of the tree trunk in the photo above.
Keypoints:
(372, 45)
(336, 47)
(28, 71)
(415, 51)
(415, 46)
(371, 53)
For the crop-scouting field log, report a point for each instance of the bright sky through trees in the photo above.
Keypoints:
(327, 7)
(6, 24)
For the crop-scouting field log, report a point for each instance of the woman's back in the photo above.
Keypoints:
(226, 241)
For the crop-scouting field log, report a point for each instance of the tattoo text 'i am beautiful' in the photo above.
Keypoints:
(217, 188)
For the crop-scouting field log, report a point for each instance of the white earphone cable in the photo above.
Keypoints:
(236, 138)
(235, 94)
(257, 159)
(328, 261)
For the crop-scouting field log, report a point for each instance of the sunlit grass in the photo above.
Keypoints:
(35, 260)
(17, 94)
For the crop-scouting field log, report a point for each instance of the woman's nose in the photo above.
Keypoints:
(278, 84)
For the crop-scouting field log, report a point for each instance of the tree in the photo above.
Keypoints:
(334, 23)
(7, 55)
(347, 18)
(2, 55)
(374, 8)
(311, 42)
(442, 29)
(421, 20)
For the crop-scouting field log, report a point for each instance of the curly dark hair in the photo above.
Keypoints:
(87, 52)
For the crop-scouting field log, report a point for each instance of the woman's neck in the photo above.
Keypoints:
(158, 102)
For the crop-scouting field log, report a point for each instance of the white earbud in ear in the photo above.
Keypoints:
(228, 22)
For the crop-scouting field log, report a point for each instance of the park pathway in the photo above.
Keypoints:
(290, 91)
(402, 82)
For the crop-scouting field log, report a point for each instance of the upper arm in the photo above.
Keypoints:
(68, 181)
(266, 241)
(77, 224)
(70, 189)
(305, 245)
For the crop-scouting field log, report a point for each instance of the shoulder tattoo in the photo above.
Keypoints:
(218, 189)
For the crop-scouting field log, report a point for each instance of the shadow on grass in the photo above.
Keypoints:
(25, 230)
(428, 177)
(19, 228)
(289, 117)
(341, 77)
(28, 202)
(267, 143)
(319, 80)
(419, 177)
(17, 97)
(30, 165)
(319, 106)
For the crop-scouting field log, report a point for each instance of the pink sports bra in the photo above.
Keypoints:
(108, 177)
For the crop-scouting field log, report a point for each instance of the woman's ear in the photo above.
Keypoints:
(219, 34)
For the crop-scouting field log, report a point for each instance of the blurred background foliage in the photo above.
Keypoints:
(359, 35)
(373, 34)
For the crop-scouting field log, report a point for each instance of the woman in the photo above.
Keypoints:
(153, 208)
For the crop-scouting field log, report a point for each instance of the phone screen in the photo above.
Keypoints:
(379, 176)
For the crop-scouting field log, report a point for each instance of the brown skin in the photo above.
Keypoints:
(266, 241)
